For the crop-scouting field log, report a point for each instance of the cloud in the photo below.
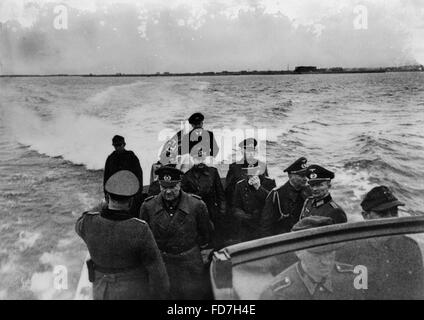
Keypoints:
(156, 36)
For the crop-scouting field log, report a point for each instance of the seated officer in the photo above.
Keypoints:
(181, 227)
(284, 204)
(249, 200)
(394, 263)
(235, 172)
(317, 276)
(125, 260)
(321, 203)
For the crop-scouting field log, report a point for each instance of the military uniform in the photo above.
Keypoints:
(282, 209)
(284, 204)
(205, 182)
(323, 207)
(394, 267)
(248, 204)
(295, 284)
(236, 173)
(180, 231)
(125, 260)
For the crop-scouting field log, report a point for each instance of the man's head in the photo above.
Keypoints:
(297, 173)
(170, 182)
(196, 120)
(121, 187)
(248, 147)
(379, 203)
(317, 262)
(118, 142)
(319, 179)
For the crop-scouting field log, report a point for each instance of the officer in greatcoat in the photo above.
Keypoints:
(284, 204)
(125, 260)
(181, 226)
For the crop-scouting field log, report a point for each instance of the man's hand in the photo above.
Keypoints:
(255, 182)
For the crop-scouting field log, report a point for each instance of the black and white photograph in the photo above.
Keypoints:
(209, 150)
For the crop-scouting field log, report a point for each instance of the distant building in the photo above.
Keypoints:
(305, 69)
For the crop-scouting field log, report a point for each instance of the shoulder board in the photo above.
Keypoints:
(334, 205)
(281, 284)
(91, 212)
(343, 267)
(239, 181)
(196, 196)
(139, 220)
(149, 198)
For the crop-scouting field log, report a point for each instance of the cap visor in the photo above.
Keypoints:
(326, 248)
(387, 205)
(168, 184)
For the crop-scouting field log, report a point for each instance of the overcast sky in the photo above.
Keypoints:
(207, 35)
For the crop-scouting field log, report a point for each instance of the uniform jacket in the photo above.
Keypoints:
(394, 265)
(282, 209)
(181, 144)
(187, 228)
(206, 183)
(125, 160)
(295, 284)
(236, 173)
(325, 207)
(179, 237)
(116, 241)
(249, 202)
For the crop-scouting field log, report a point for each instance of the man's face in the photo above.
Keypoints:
(297, 181)
(317, 265)
(170, 193)
(388, 213)
(119, 147)
(319, 189)
(250, 155)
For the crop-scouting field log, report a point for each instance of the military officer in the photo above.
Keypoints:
(249, 200)
(204, 181)
(182, 144)
(284, 204)
(321, 203)
(395, 263)
(181, 227)
(125, 260)
(235, 171)
(122, 159)
(316, 276)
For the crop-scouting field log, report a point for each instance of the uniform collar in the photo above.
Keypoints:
(115, 215)
(319, 203)
(312, 285)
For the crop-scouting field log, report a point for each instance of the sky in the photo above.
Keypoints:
(148, 36)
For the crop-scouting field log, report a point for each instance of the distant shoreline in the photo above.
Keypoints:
(227, 73)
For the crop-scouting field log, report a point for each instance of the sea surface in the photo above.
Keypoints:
(55, 134)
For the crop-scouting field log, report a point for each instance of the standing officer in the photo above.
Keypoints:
(205, 182)
(125, 260)
(321, 203)
(235, 172)
(197, 138)
(284, 204)
(317, 275)
(122, 159)
(249, 200)
(181, 227)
